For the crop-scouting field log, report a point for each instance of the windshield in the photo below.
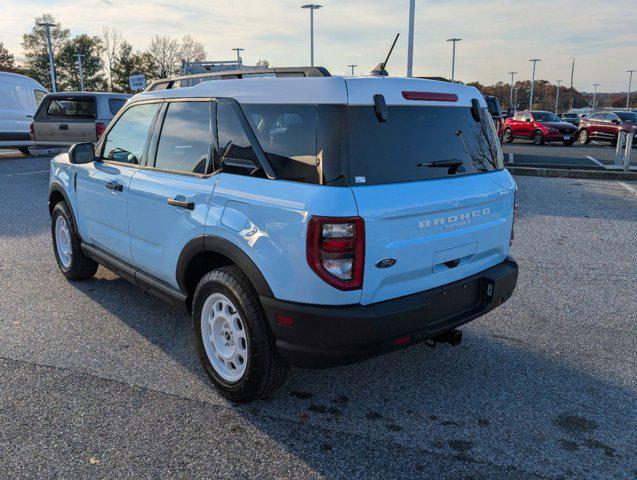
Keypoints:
(420, 143)
(545, 117)
(627, 116)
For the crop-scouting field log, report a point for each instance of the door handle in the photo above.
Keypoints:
(64, 126)
(114, 186)
(181, 204)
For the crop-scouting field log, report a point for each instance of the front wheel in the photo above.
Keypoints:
(507, 136)
(233, 339)
(67, 246)
(583, 137)
(538, 138)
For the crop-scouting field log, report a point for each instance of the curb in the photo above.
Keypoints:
(574, 173)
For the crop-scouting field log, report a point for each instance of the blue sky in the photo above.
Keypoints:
(498, 36)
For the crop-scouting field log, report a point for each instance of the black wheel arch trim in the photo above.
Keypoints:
(58, 188)
(214, 244)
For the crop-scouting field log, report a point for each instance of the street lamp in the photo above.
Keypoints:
(410, 38)
(557, 95)
(595, 85)
(511, 94)
(239, 61)
(630, 81)
(534, 60)
(453, 56)
(312, 7)
(79, 66)
(47, 28)
(352, 67)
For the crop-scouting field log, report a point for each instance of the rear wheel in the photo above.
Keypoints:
(507, 135)
(67, 246)
(538, 138)
(233, 339)
(583, 137)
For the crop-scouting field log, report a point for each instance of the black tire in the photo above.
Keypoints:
(25, 151)
(507, 135)
(538, 137)
(568, 143)
(583, 137)
(265, 371)
(81, 267)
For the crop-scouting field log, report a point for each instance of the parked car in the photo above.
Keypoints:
(71, 117)
(289, 237)
(571, 117)
(605, 126)
(19, 97)
(493, 105)
(540, 127)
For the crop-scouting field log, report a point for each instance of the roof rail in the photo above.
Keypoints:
(191, 80)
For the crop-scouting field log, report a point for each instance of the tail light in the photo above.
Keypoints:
(32, 132)
(100, 128)
(336, 250)
(515, 214)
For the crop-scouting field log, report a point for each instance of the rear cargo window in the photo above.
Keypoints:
(420, 143)
(72, 107)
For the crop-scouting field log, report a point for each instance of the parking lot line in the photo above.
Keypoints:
(594, 160)
(628, 187)
(24, 173)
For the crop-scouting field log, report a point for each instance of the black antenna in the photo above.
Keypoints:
(379, 70)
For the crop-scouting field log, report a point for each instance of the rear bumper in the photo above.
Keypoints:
(324, 336)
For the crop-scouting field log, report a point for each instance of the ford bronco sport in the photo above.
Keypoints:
(309, 221)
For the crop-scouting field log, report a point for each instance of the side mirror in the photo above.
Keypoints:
(82, 153)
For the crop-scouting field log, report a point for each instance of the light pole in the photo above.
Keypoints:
(595, 85)
(239, 61)
(511, 94)
(312, 7)
(410, 38)
(47, 28)
(534, 60)
(557, 95)
(352, 66)
(453, 56)
(630, 81)
(79, 66)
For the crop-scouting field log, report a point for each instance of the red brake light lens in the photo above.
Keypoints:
(336, 250)
(100, 128)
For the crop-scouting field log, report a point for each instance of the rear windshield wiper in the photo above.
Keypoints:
(452, 164)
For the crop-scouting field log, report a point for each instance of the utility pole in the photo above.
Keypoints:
(534, 60)
(511, 94)
(47, 29)
(630, 81)
(79, 66)
(352, 67)
(453, 56)
(570, 106)
(595, 85)
(410, 38)
(557, 96)
(515, 99)
(312, 7)
(239, 61)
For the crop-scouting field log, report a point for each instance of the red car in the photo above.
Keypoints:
(605, 126)
(540, 127)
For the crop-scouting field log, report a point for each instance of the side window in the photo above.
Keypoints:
(39, 95)
(184, 142)
(236, 154)
(115, 104)
(518, 116)
(527, 116)
(610, 117)
(126, 140)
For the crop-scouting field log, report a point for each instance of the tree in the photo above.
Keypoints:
(192, 50)
(111, 40)
(165, 54)
(35, 48)
(129, 63)
(92, 65)
(7, 60)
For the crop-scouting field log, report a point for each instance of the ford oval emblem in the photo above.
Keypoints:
(386, 263)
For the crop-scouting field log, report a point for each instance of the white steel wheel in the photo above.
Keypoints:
(63, 241)
(224, 337)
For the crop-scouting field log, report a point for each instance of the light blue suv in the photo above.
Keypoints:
(311, 221)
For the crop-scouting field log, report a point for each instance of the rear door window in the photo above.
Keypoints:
(184, 142)
(81, 107)
(126, 140)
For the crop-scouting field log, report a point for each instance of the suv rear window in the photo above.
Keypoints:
(72, 107)
(407, 146)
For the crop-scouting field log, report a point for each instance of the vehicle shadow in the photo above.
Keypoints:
(496, 404)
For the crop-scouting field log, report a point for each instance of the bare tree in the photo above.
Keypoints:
(192, 50)
(111, 40)
(165, 53)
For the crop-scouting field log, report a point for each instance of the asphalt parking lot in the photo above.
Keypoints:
(98, 380)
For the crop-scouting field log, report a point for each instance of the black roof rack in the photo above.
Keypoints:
(191, 80)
